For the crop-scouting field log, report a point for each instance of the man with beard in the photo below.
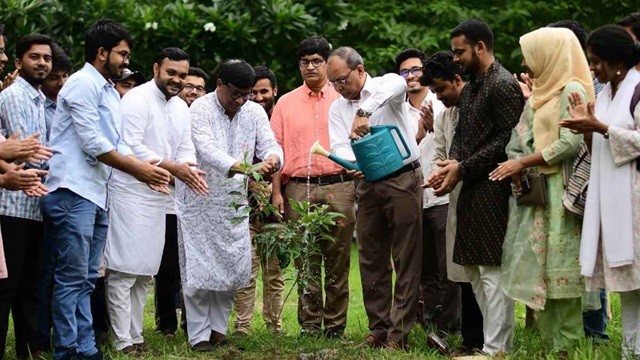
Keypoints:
(264, 91)
(22, 113)
(156, 125)
(86, 137)
(194, 85)
(54, 82)
(490, 106)
(301, 118)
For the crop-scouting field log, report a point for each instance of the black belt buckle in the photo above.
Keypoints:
(406, 168)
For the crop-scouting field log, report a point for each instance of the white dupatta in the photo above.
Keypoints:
(609, 212)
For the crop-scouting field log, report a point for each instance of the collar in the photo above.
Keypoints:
(307, 90)
(219, 107)
(155, 90)
(96, 76)
(33, 93)
(49, 103)
(477, 81)
(367, 89)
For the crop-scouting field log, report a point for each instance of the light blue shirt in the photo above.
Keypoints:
(86, 125)
(22, 110)
(49, 111)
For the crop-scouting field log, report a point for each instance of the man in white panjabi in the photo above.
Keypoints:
(215, 251)
(156, 125)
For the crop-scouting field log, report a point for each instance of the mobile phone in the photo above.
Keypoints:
(524, 184)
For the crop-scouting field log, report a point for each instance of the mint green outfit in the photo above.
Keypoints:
(540, 256)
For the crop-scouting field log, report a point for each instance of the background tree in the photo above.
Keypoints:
(268, 31)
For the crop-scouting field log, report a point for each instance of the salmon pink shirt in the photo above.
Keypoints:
(299, 119)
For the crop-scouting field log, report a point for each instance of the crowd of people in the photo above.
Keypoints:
(109, 180)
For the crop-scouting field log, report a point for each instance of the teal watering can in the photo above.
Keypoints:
(377, 153)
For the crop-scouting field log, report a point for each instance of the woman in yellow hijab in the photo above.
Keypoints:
(540, 265)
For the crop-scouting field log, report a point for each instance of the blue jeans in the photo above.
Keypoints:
(595, 321)
(76, 230)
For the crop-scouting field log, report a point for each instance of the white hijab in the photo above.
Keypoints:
(609, 212)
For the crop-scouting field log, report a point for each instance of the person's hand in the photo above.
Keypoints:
(526, 84)
(19, 179)
(355, 174)
(155, 177)
(360, 127)
(425, 123)
(8, 80)
(192, 177)
(277, 200)
(274, 161)
(583, 120)
(36, 191)
(445, 178)
(15, 149)
(506, 169)
(260, 188)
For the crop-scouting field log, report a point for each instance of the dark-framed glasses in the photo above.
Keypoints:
(342, 81)
(415, 71)
(235, 94)
(124, 53)
(198, 88)
(314, 62)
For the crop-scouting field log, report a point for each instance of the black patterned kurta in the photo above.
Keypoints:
(490, 106)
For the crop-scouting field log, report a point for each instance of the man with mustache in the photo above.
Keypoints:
(301, 118)
(156, 125)
(86, 135)
(194, 85)
(264, 91)
(22, 112)
(8, 80)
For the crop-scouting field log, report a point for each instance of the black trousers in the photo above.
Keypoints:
(23, 242)
(167, 291)
(471, 329)
(99, 308)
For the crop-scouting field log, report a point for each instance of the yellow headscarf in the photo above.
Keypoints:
(555, 57)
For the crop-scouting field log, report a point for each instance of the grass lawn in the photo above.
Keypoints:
(260, 344)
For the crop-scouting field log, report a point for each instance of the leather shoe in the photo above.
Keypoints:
(202, 346)
(218, 339)
(370, 342)
(391, 345)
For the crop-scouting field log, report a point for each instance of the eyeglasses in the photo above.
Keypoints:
(341, 82)
(191, 87)
(235, 95)
(415, 71)
(126, 56)
(314, 62)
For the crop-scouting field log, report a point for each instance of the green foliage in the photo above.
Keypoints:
(268, 31)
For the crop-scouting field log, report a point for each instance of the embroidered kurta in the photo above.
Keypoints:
(540, 258)
(215, 252)
(155, 129)
(490, 106)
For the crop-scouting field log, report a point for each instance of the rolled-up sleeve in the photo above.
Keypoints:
(392, 88)
(83, 100)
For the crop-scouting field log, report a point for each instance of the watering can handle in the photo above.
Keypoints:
(406, 148)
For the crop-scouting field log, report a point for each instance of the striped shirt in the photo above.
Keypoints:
(21, 110)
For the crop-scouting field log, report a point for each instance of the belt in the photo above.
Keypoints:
(323, 180)
(409, 167)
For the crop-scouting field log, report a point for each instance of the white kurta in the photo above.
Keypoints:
(215, 254)
(154, 128)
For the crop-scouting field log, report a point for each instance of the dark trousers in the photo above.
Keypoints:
(23, 242)
(390, 227)
(441, 296)
(595, 321)
(471, 328)
(99, 309)
(168, 280)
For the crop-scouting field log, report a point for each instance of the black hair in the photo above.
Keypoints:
(60, 60)
(409, 54)
(613, 44)
(237, 72)
(24, 44)
(440, 66)
(632, 21)
(263, 72)
(314, 45)
(196, 71)
(171, 53)
(574, 26)
(474, 30)
(106, 34)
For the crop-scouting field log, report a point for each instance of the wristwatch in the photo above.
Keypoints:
(362, 113)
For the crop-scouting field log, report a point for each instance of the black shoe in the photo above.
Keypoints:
(312, 332)
(333, 333)
(97, 356)
(202, 346)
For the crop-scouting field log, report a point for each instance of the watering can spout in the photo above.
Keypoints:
(319, 150)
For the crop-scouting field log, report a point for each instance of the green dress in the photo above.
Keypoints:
(540, 255)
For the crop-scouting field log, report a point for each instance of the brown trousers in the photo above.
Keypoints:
(272, 292)
(390, 227)
(313, 312)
